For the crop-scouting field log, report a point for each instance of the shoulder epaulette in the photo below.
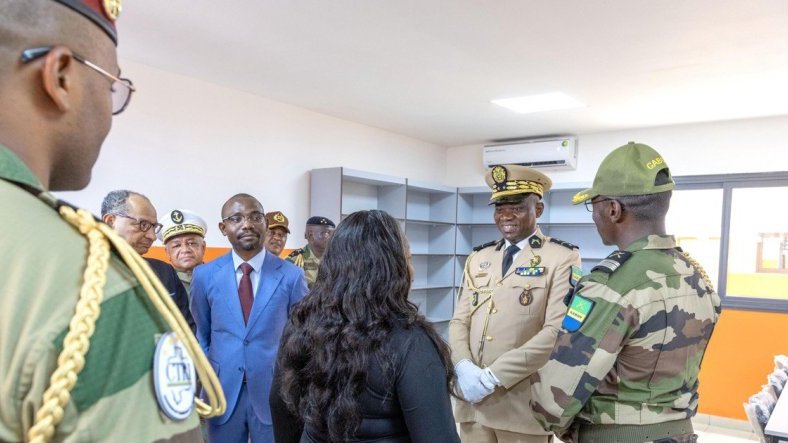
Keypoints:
(565, 244)
(295, 252)
(612, 262)
(486, 245)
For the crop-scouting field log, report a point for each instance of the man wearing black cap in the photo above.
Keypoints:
(64, 291)
(509, 312)
(318, 232)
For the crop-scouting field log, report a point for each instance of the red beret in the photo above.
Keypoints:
(101, 12)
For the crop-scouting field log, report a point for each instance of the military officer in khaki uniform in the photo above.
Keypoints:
(509, 312)
(278, 230)
(318, 232)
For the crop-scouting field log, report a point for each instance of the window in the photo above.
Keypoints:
(695, 219)
(758, 245)
(734, 226)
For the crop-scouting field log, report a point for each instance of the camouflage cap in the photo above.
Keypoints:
(511, 183)
(181, 221)
(101, 12)
(276, 219)
(631, 169)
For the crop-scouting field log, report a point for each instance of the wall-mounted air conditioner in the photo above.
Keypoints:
(551, 154)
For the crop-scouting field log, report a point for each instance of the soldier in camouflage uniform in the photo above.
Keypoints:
(318, 232)
(509, 311)
(77, 340)
(625, 366)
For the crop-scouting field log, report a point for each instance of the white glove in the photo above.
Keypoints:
(469, 378)
(488, 379)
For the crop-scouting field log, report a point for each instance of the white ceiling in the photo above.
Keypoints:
(429, 68)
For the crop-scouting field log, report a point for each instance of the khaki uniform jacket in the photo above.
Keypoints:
(523, 325)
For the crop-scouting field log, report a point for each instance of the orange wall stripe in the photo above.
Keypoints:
(739, 357)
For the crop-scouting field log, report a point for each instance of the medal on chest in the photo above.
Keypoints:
(526, 297)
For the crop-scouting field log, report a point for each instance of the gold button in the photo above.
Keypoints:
(499, 284)
(494, 311)
(488, 338)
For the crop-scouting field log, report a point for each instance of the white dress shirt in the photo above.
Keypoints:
(257, 265)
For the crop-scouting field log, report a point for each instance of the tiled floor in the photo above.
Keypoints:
(725, 436)
(712, 429)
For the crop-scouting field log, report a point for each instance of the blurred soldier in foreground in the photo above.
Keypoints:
(63, 290)
(625, 366)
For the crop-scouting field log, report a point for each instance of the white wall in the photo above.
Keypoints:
(756, 145)
(190, 144)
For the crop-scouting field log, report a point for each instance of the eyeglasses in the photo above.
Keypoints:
(121, 87)
(236, 219)
(590, 203)
(143, 225)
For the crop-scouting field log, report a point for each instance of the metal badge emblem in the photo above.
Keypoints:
(499, 174)
(485, 265)
(278, 217)
(176, 216)
(112, 8)
(174, 378)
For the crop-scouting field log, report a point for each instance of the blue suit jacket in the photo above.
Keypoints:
(233, 347)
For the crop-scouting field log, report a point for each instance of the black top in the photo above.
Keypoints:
(169, 278)
(414, 406)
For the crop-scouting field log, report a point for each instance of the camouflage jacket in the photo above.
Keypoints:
(631, 343)
(305, 259)
(41, 277)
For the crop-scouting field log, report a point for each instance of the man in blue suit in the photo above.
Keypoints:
(240, 303)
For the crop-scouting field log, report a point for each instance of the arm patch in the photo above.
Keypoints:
(612, 262)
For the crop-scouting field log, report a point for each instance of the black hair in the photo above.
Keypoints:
(359, 297)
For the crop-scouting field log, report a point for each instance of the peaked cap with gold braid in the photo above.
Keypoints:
(511, 183)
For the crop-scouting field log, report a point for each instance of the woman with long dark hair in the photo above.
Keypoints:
(357, 361)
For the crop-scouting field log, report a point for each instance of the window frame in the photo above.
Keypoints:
(729, 182)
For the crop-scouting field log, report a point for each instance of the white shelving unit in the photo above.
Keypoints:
(443, 225)
(337, 192)
(430, 225)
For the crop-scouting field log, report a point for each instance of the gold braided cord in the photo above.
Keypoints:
(163, 303)
(77, 341)
(467, 274)
(299, 260)
(700, 269)
(514, 187)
